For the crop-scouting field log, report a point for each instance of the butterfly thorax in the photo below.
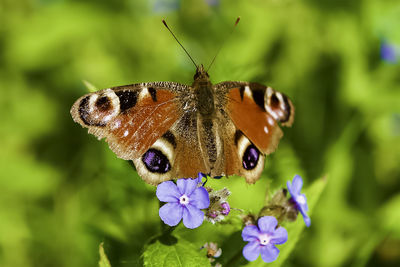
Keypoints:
(202, 88)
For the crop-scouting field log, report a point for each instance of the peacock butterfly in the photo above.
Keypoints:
(171, 130)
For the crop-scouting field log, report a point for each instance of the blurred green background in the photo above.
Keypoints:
(62, 192)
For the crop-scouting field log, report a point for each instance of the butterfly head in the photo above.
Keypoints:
(201, 74)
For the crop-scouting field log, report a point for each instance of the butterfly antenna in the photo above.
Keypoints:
(187, 53)
(219, 49)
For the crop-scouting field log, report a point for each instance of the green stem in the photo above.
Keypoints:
(236, 258)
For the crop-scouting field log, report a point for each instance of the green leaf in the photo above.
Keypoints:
(170, 251)
(103, 262)
(391, 216)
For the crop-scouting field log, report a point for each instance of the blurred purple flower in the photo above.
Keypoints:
(163, 6)
(185, 199)
(262, 239)
(299, 200)
(212, 2)
(389, 52)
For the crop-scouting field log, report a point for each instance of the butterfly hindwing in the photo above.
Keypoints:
(176, 154)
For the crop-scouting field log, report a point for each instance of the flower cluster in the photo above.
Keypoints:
(219, 206)
(187, 199)
(263, 238)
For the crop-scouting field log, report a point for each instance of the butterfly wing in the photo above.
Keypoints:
(255, 111)
(132, 118)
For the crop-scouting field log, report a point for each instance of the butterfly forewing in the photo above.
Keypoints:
(254, 113)
(131, 117)
(258, 125)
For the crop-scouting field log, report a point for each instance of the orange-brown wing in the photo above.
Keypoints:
(256, 110)
(190, 159)
(253, 129)
(131, 117)
(176, 154)
(256, 124)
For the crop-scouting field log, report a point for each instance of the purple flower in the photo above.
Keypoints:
(200, 178)
(388, 52)
(225, 208)
(185, 199)
(299, 200)
(262, 239)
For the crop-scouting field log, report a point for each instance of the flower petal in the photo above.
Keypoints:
(289, 187)
(251, 251)
(192, 216)
(168, 192)
(297, 184)
(306, 219)
(280, 236)
(250, 233)
(171, 213)
(267, 224)
(186, 186)
(200, 177)
(303, 205)
(300, 200)
(200, 198)
(269, 253)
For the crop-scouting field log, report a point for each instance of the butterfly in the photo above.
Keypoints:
(171, 130)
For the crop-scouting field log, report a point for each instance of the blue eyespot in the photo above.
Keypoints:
(250, 157)
(155, 161)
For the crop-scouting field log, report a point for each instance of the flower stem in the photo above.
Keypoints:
(235, 259)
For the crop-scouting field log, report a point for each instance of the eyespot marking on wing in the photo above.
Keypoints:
(157, 163)
(252, 159)
(279, 106)
(98, 109)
